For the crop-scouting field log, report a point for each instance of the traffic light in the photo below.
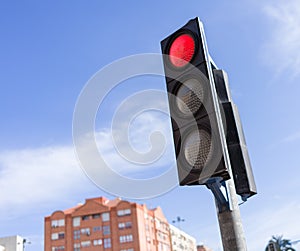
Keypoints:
(198, 133)
(236, 144)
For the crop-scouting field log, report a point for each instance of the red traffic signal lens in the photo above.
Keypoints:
(182, 50)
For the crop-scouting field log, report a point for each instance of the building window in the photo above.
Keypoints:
(97, 229)
(60, 248)
(107, 243)
(129, 249)
(54, 236)
(165, 226)
(76, 234)
(96, 216)
(58, 236)
(61, 222)
(58, 223)
(123, 225)
(76, 221)
(106, 230)
(85, 217)
(97, 242)
(126, 238)
(157, 222)
(105, 217)
(77, 247)
(85, 244)
(61, 235)
(85, 231)
(124, 212)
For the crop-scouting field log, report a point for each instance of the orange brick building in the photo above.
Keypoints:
(107, 225)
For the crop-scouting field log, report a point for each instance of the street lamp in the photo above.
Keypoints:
(178, 220)
(25, 242)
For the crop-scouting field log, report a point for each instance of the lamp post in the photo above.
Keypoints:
(178, 220)
(24, 243)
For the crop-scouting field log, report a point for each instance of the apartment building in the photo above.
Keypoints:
(181, 241)
(107, 225)
(11, 243)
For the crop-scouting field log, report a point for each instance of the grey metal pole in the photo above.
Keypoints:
(230, 223)
(228, 210)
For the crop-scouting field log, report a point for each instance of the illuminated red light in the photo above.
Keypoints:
(182, 50)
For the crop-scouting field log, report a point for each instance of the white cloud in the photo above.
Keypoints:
(281, 49)
(31, 176)
(139, 142)
(134, 142)
(293, 137)
(259, 225)
(280, 219)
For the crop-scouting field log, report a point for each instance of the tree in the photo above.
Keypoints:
(281, 244)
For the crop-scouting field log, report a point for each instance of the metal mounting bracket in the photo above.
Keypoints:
(221, 197)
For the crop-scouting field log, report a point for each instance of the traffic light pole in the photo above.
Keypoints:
(229, 218)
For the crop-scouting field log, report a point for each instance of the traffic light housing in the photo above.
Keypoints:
(198, 133)
(236, 143)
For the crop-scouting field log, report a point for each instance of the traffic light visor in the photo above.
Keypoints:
(182, 50)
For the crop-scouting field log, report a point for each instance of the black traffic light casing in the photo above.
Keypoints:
(236, 143)
(205, 119)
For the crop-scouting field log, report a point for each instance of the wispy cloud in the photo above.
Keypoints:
(261, 225)
(281, 50)
(135, 139)
(139, 142)
(293, 137)
(280, 219)
(32, 176)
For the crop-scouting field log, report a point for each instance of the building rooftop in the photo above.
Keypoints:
(103, 201)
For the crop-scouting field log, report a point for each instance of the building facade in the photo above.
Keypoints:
(203, 248)
(181, 241)
(107, 225)
(11, 243)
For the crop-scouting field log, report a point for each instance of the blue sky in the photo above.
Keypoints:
(50, 50)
